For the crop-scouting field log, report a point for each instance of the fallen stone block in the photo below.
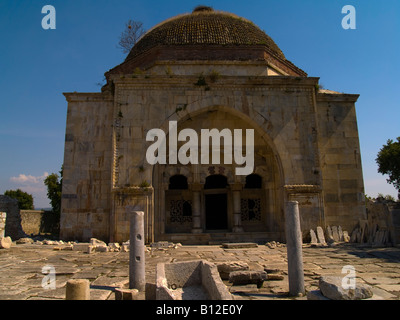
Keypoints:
(81, 246)
(313, 236)
(321, 236)
(102, 248)
(346, 237)
(316, 295)
(272, 270)
(5, 243)
(275, 277)
(114, 247)
(241, 245)
(273, 244)
(329, 235)
(24, 241)
(332, 288)
(225, 268)
(335, 233)
(126, 294)
(95, 242)
(248, 277)
(90, 249)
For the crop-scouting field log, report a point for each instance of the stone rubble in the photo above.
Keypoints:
(245, 277)
(334, 235)
(225, 268)
(331, 288)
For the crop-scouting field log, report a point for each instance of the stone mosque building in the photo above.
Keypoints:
(209, 70)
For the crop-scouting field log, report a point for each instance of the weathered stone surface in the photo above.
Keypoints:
(321, 236)
(346, 237)
(313, 236)
(248, 277)
(331, 287)
(77, 289)
(24, 241)
(335, 233)
(340, 233)
(83, 246)
(329, 235)
(225, 268)
(126, 294)
(96, 242)
(240, 245)
(114, 247)
(5, 243)
(316, 295)
(275, 277)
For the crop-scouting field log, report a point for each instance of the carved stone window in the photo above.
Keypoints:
(181, 211)
(251, 209)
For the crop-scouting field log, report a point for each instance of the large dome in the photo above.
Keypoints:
(206, 35)
(204, 26)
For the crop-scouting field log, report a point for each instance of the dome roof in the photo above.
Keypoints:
(204, 26)
(205, 35)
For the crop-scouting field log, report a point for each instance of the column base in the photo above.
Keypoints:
(197, 230)
(237, 229)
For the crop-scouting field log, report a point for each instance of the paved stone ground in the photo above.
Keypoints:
(21, 269)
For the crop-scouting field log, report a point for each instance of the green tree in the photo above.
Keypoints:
(53, 183)
(388, 161)
(25, 200)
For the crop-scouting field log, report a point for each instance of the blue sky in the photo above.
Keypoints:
(38, 65)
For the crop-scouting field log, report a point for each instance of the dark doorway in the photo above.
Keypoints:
(216, 211)
(216, 181)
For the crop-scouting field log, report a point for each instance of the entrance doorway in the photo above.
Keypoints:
(216, 211)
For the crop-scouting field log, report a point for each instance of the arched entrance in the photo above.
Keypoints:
(222, 203)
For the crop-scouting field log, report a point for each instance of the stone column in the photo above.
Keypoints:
(3, 216)
(77, 289)
(294, 249)
(237, 212)
(196, 209)
(137, 276)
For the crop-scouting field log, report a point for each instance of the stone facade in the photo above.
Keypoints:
(305, 141)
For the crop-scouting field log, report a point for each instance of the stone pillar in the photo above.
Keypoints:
(237, 212)
(196, 209)
(294, 249)
(3, 216)
(137, 277)
(78, 289)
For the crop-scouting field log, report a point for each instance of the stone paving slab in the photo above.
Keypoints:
(21, 269)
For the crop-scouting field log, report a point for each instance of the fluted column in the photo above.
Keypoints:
(196, 209)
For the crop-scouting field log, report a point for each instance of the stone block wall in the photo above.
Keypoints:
(342, 179)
